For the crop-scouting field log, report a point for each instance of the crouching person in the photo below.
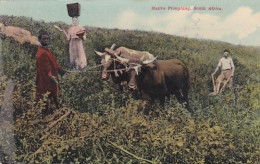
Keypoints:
(47, 69)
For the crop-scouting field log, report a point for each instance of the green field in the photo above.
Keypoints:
(104, 125)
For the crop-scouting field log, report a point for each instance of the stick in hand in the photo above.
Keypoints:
(58, 28)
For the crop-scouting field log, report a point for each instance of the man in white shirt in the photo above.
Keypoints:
(227, 71)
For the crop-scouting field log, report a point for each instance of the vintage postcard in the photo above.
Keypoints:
(130, 81)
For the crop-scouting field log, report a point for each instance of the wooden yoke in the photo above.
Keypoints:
(110, 51)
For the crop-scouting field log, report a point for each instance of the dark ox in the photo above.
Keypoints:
(114, 67)
(160, 79)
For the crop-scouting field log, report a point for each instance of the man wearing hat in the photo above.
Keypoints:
(227, 71)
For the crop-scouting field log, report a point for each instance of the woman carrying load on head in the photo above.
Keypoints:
(76, 34)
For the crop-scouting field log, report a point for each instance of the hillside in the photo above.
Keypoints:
(100, 124)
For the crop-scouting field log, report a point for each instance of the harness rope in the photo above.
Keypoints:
(97, 66)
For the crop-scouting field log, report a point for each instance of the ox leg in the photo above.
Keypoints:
(162, 101)
(148, 107)
(179, 96)
(185, 92)
(150, 101)
(183, 98)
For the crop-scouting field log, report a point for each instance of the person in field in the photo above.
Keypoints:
(227, 71)
(47, 69)
(76, 34)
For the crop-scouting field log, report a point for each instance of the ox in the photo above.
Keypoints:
(157, 79)
(114, 67)
(111, 66)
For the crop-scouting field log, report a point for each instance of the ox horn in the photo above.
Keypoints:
(113, 46)
(106, 49)
(110, 51)
(122, 59)
(147, 61)
(99, 53)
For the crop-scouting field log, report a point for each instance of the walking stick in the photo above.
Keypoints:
(57, 27)
(213, 81)
(222, 89)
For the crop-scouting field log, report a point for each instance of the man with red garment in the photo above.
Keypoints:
(47, 73)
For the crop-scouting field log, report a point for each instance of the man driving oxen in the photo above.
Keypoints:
(47, 70)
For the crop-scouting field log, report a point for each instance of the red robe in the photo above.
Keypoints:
(46, 65)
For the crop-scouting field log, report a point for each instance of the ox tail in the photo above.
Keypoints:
(186, 87)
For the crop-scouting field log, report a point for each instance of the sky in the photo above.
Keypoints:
(233, 21)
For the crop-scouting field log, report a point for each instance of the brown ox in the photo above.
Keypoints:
(159, 79)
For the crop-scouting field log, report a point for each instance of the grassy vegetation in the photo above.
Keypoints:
(104, 125)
